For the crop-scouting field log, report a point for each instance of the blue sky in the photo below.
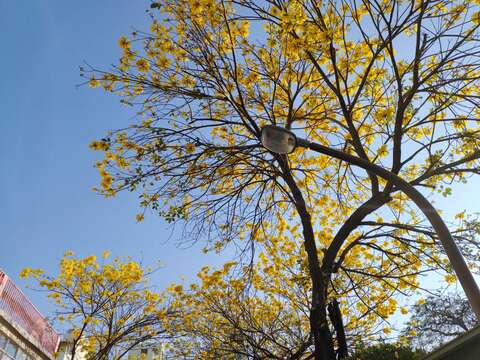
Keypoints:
(46, 124)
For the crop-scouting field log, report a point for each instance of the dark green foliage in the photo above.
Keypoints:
(386, 352)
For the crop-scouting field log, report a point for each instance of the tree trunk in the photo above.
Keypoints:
(323, 340)
(337, 322)
(322, 336)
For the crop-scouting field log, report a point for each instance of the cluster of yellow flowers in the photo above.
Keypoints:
(95, 295)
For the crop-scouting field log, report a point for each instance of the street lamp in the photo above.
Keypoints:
(282, 141)
(278, 140)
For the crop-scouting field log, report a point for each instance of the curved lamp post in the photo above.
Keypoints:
(282, 141)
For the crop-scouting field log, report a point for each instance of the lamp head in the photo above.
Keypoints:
(278, 139)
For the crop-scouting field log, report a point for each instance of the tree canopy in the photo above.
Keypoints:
(438, 319)
(392, 82)
(106, 306)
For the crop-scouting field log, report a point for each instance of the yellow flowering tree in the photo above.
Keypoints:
(262, 310)
(394, 83)
(107, 305)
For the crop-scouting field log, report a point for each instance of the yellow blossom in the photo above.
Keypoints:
(124, 43)
(143, 65)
